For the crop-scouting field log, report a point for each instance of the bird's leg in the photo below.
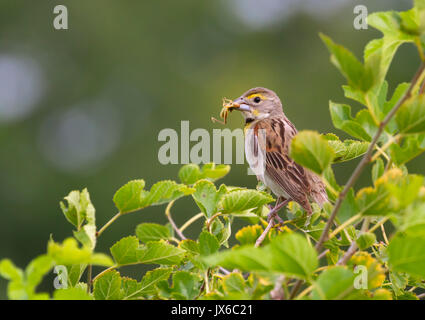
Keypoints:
(280, 202)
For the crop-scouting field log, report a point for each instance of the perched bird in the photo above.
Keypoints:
(268, 135)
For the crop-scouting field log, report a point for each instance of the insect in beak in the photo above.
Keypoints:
(229, 106)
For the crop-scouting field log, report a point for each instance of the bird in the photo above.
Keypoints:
(268, 136)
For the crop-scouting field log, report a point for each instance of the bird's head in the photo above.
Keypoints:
(257, 104)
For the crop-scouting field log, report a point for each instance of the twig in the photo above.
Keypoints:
(422, 89)
(119, 214)
(89, 275)
(353, 247)
(277, 293)
(191, 220)
(366, 158)
(384, 234)
(170, 219)
(271, 215)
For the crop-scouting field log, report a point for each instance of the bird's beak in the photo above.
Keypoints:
(240, 104)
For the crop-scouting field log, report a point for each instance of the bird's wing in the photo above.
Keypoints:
(290, 176)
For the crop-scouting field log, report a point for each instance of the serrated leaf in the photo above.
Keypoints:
(207, 196)
(342, 119)
(234, 282)
(108, 286)
(290, 254)
(352, 69)
(152, 232)
(347, 150)
(365, 240)
(186, 285)
(208, 244)
(241, 200)
(160, 252)
(68, 253)
(132, 196)
(410, 117)
(411, 147)
(79, 208)
(406, 253)
(190, 246)
(134, 290)
(126, 251)
(191, 173)
(311, 150)
(336, 283)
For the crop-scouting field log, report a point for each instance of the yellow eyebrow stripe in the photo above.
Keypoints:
(256, 95)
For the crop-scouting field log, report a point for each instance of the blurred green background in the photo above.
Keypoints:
(83, 107)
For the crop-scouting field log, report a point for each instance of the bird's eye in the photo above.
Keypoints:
(257, 99)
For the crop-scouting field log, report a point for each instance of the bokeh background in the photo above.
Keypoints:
(83, 107)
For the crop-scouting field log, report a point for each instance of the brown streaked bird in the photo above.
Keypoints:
(268, 135)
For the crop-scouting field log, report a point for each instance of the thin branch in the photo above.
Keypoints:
(422, 89)
(353, 247)
(366, 159)
(170, 219)
(119, 214)
(191, 220)
(271, 217)
(264, 234)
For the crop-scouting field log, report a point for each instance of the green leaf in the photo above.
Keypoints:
(293, 254)
(239, 201)
(152, 232)
(342, 119)
(336, 283)
(290, 254)
(191, 173)
(160, 252)
(132, 196)
(190, 246)
(68, 253)
(208, 244)
(9, 271)
(412, 146)
(108, 286)
(36, 270)
(135, 290)
(410, 117)
(207, 196)
(378, 201)
(128, 197)
(75, 272)
(348, 207)
(72, 294)
(311, 150)
(351, 68)
(186, 285)
(79, 208)
(378, 169)
(126, 251)
(16, 289)
(234, 282)
(347, 150)
(406, 253)
(365, 240)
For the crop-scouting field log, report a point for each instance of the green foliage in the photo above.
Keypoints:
(311, 150)
(378, 230)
